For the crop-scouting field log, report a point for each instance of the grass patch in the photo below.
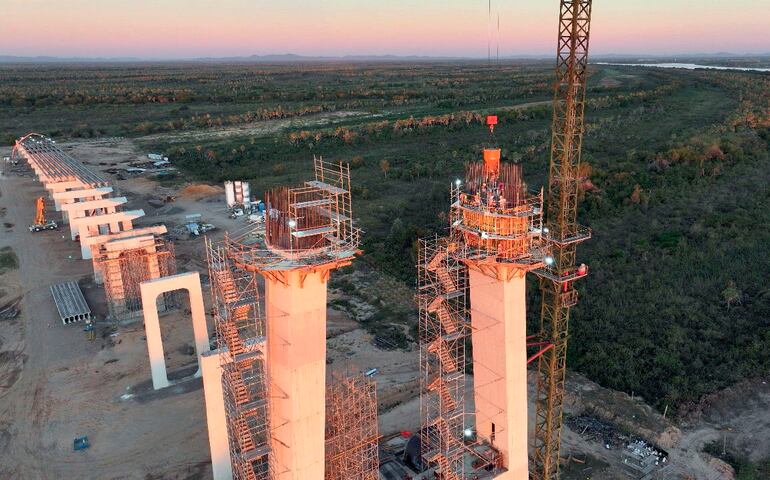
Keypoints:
(744, 469)
(8, 260)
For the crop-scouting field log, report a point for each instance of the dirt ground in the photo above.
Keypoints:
(65, 385)
(55, 385)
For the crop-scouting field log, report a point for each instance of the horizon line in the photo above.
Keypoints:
(298, 57)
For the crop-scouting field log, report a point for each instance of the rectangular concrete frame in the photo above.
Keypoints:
(112, 220)
(151, 289)
(84, 193)
(93, 244)
(114, 247)
(216, 420)
(55, 187)
(499, 336)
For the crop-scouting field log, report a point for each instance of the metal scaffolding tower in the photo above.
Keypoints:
(240, 328)
(564, 233)
(442, 286)
(310, 226)
(351, 428)
(123, 271)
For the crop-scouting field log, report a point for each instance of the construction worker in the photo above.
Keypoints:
(90, 331)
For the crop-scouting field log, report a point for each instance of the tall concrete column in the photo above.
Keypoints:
(499, 336)
(296, 346)
(216, 420)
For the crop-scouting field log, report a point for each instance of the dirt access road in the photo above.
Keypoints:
(272, 127)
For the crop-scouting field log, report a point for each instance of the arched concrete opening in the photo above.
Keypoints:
(151, 290)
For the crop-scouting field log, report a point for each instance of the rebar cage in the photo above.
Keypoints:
(502, 222)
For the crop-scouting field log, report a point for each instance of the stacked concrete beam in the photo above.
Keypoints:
(85, 199)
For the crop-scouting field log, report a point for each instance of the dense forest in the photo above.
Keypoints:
(674, 181)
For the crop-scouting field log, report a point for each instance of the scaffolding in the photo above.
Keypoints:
(442, 290)
(240, 328)
(306, 226)
(351, 428)
(500, 224)
(123, 271)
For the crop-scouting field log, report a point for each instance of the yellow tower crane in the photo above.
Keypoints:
(563, 233)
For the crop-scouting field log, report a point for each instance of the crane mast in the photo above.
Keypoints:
(563, 234)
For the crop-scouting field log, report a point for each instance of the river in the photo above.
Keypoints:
(687, 66)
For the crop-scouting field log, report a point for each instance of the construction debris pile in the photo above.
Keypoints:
(644, 460)
(640, 457)
(592, 428)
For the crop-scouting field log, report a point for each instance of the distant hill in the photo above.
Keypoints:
(291, 57)
(294, 58)
(51, 59)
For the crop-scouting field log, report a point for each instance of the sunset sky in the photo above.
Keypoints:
(196, 28)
